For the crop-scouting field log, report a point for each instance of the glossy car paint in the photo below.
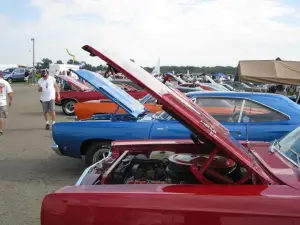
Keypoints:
(172, 205)
(84, 93)
(277, 203)
(86, 110)
(73, 137)
(259, 131)
(114, 93)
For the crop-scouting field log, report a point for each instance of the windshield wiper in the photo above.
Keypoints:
(275, 146)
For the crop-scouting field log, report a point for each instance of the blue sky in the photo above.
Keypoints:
(18, 11)
(210, 32)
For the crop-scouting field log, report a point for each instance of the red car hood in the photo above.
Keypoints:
(75, 83)
(182, 109)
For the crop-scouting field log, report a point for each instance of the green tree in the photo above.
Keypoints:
(75, 62)
(59, 62)
(44, 64)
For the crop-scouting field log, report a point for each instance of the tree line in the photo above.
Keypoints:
(45, 63)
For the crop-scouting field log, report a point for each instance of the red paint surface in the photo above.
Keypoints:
(277, 203)
(85, 93)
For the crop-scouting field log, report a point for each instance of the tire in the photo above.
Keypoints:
(96, 151)
(68, 107)
(9, 80)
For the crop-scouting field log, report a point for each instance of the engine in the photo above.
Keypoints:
(163, 167)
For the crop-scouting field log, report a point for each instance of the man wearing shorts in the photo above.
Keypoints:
(5, 89)
(48, 87)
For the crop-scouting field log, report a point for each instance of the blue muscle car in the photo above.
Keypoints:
(252, 116)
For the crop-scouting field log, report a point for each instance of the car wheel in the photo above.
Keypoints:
(68, 107)
(9, 80)
(97, 151)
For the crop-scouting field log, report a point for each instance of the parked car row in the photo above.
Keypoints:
(180, 165)
(247, 116)
(73, 91)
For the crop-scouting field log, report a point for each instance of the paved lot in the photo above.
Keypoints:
(28, 167)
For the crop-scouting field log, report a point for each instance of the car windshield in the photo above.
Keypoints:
(289, 146)
(8, 70)
(163, 116)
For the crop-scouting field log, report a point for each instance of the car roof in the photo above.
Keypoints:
(278, 102)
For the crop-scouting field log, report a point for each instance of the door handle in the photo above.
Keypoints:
(162, 128)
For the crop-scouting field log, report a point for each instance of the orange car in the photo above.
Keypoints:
(85, 110)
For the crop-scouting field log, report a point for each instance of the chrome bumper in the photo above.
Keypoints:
(56, 149)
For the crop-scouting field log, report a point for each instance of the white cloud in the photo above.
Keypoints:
(181, 32)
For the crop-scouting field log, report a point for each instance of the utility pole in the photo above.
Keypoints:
(32, 39)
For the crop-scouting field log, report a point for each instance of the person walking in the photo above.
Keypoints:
(5, 89)
(48, 87)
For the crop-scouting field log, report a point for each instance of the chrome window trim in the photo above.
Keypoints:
(271, 108)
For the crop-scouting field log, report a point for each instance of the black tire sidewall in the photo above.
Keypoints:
(93, 149)
(64, 105)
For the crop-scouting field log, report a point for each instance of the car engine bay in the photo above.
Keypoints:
(166, 167)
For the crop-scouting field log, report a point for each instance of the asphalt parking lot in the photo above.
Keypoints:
(28, 167)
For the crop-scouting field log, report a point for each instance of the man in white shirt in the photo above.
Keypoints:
(48, 87)
(72, 75)
(5, 89)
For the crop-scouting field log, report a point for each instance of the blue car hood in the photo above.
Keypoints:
(113, 92)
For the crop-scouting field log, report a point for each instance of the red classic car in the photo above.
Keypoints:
(210, 179)
(73, 91)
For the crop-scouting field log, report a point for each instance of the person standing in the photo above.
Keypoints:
(5, 89)
(48, 87)
(26, 76)
(72, 75)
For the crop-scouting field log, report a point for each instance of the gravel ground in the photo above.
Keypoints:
(29, 169)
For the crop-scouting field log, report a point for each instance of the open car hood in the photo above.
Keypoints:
(74, 82)
(113, 92)
(183, 109)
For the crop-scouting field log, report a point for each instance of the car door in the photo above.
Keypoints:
(21, 74)
(264, 123)
(227, 111)
(169, 129)
(17, 74)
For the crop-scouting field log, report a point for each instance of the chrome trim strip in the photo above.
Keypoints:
(241, 111)
(250, 99)
(89, 169)
(284, 156)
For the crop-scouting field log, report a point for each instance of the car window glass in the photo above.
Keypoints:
(254, 112)
(222, 109)
(17, 71)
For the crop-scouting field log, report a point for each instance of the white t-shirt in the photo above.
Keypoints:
(74, 76)
(5, 88)
(48, 89)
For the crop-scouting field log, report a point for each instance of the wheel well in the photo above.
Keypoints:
(67, 99)
(86, 144)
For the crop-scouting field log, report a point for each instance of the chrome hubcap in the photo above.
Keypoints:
(100, 154)
(69, 107)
